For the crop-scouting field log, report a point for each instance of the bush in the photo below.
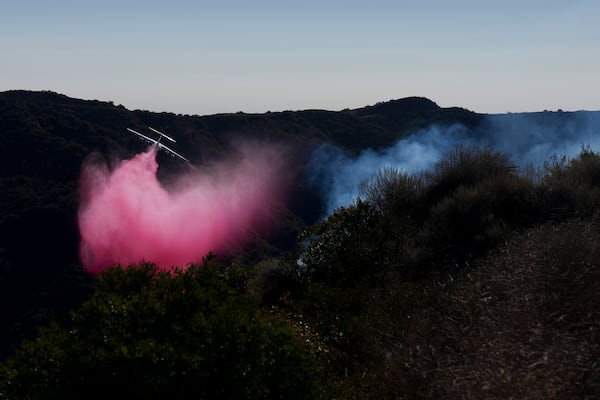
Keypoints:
(466, 166)
(355, 246)
(392, 191)
(477, 218)
(150, 334)
(573, 185)
(272, 279)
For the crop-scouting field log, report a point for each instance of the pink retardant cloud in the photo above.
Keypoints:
(127, 216)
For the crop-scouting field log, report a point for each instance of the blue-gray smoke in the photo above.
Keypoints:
(528, 140)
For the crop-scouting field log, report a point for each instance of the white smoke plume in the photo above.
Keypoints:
(527, 139)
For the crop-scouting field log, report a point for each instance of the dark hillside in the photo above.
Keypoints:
(45, 137)
(473, 279)
(412, 113)
(522, 324)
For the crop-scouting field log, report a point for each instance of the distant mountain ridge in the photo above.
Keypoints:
(383, 122)
(406, 104)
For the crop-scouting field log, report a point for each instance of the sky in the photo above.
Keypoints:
(207, 57)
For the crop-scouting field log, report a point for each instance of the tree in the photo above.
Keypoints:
(152, 334)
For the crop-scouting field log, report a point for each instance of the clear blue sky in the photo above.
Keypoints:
(204, 57)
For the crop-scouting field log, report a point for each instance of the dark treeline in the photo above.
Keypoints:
(475, 279)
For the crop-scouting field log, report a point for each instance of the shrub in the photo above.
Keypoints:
(355, 246)
(466, 166)
(573, 185)
(272, 279)
(151, 334)
(393, 192)
(474, 219)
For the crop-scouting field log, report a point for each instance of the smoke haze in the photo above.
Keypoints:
(527, 139)
(127, 216)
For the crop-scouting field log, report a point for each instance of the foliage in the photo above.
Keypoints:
(532, 301)
(340, 251)
(466, 166)
(573, 185)
(273, 279)
(149, 334)
(408, 226)
(403, 234)
(393, 192)
(474, 219)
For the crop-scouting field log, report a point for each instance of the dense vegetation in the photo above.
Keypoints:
(424, 273)
(475, 280)
(46, 136)
(150, 334)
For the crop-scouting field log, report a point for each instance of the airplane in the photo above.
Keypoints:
(158, 144)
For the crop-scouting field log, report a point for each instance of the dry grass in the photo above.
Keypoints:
(523, 324)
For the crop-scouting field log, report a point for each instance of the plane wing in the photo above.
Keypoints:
(157, 143)
(171, 152)
(161, 134)
(144, 137)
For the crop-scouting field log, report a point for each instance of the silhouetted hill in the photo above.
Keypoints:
(100, 125)
(45, 137)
